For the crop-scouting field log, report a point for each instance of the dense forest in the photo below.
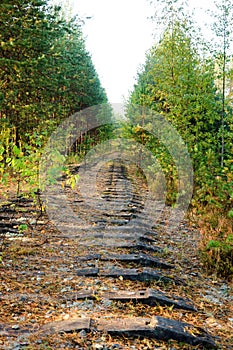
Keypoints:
(46, 75)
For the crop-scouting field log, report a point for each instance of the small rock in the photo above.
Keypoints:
(82, 333)
(22, 219)
(224, 290)
(68, 278)
(98, 346)
(104, 288)
(86, 305)
(15, 326)
(212, 299)
(49, 312)
(106, 302)
(23, 298)
(80, 284)
(66, 289)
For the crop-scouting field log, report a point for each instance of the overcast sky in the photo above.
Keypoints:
(118, 36)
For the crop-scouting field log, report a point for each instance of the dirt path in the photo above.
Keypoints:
(104, 283)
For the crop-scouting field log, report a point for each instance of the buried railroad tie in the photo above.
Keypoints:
(99, 240)
(67, 326)
(128, 274)
(137, 245)
(88, 272)
(135, 275)
(142, 259)
(127, 236)
(157, 328)
(150, 297)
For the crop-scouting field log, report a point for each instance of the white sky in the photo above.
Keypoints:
(118, 36)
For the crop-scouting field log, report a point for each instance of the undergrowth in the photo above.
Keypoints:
(216, 244)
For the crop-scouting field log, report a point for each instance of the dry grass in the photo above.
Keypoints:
(216, 244)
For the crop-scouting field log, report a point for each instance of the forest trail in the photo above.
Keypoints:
(115, 282)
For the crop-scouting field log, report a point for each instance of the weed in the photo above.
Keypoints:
(216, 246)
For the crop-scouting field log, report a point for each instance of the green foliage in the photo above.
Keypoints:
(180, 83)
(222, 27)
(20, 163)
(46, 75)
(72, 180)
(22, 228)
(173, 83)
(218, 256)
